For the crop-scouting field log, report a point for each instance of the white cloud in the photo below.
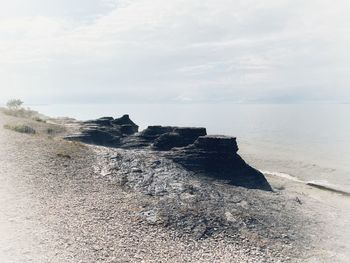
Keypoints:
(188, 49)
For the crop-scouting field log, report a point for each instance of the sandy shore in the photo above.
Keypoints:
(57, 206)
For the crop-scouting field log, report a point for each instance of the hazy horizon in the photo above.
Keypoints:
(175, 51)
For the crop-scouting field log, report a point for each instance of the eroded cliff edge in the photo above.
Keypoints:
(208, 155)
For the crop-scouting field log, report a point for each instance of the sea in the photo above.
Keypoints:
(304, 142)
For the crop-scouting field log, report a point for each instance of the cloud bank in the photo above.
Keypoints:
(239, 51)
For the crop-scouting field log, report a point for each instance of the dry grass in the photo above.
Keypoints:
(21, 112)
(20, 128)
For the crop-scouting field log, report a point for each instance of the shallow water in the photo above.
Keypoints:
(311, 142)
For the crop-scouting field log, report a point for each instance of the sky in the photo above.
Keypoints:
(175, 51)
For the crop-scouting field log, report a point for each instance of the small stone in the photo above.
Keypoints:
(230, 217)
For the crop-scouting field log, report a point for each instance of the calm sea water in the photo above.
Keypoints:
(311, 142)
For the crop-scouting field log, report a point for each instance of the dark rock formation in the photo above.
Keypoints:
(104, 121)
(163, 137)
(134, 142)
(125, 120)
(217, 156)
(209, 153)
(168, 141)
(127, 129)
(106, 118)
(153, 132)
(179, 137)
(142, 139)
(95, 136)
(105, 131)
(191, 132)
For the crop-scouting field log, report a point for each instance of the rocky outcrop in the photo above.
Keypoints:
(217, 156)
(214, 156)
(128, 129)
(168, 141)
(97, 136)
(105, 131)
(104, 121)
(125, 120)
(163, 138)
(144, 138)
(179, 137)
(151, 133)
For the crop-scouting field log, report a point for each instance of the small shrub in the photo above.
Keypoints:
(20, 128)
(14, 104)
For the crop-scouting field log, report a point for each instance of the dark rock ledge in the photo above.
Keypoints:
(211, 155)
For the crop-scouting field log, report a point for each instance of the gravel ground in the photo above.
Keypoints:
(67, 202)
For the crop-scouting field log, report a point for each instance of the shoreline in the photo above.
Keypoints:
(320, 185)
(294, 168)
(301, 209)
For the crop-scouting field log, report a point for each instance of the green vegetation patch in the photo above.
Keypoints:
(20, 128)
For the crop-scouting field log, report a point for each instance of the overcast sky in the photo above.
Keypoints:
(70, 51)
